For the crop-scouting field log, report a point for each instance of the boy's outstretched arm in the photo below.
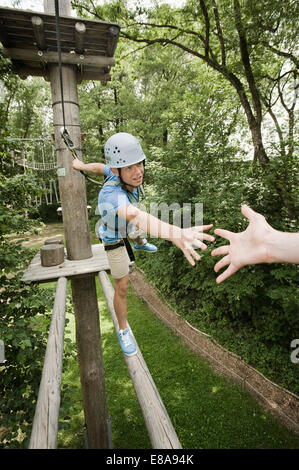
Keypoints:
(187, 240)
(97, 168)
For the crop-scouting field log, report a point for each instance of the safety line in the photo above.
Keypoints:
(59, 57)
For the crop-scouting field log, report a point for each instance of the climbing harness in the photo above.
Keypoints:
(124, 240)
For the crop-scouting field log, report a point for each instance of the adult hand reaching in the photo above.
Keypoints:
(259, 243)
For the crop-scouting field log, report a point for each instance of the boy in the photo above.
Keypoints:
(124, 171)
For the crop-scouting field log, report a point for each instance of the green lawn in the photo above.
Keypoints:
(207, 410)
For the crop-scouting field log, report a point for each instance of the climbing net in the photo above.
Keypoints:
(37, 155)
(33, 154)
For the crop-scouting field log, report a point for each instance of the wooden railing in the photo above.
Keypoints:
(45, 423)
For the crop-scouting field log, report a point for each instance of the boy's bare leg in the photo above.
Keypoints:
(120, 300)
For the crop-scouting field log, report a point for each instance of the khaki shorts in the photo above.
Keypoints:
(118, 260)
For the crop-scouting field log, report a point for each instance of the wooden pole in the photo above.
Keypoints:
(157, 421)
(45, 423)
(76, 229)
(90, 363)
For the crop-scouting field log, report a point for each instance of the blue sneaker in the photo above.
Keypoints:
(126, 342)
(145, 247)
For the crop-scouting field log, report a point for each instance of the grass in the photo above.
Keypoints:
(207, 411)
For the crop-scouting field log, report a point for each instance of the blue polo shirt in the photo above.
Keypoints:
(111, 199)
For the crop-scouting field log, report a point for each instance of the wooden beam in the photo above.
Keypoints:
(36, 273)
(113, 34)
(94, 76)
(45, 423)
(38, 29)
(71, 58)
(159, 426)
(24, 71)
(80, 30)
(3, 35)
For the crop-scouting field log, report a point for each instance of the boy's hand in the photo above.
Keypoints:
(77, 164)
(189, 239)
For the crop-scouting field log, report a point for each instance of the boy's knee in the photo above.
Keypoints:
(121, 286)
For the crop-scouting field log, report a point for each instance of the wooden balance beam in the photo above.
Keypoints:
(157, 421)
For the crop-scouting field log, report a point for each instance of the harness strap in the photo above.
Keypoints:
(129, 249)
(123, 242)
(130, 195)
(113, 246)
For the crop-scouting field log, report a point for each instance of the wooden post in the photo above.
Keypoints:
(157, 421)
(90, 363)
(76, 229)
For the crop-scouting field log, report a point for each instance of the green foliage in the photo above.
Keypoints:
(207, 411)
(260, 302)
(24, 313)
(24, 310)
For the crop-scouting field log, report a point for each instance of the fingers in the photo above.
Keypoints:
(226, 274)
(200, 228)
(223, 233)
(206, 236)
(188, 255)
(202, 236)
(248, 212)
(223, 262)
(196, 244)
(221, 250)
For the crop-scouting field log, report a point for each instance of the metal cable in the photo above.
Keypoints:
(59, 58)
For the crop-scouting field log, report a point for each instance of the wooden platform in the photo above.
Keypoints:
(78, 268)
(29, 40)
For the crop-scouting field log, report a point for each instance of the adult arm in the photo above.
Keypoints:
(259, 243)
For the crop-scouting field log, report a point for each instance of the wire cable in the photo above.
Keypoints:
(59, 57)
(64, 133)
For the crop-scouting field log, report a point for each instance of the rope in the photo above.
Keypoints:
(64, 133)
(59, 57)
